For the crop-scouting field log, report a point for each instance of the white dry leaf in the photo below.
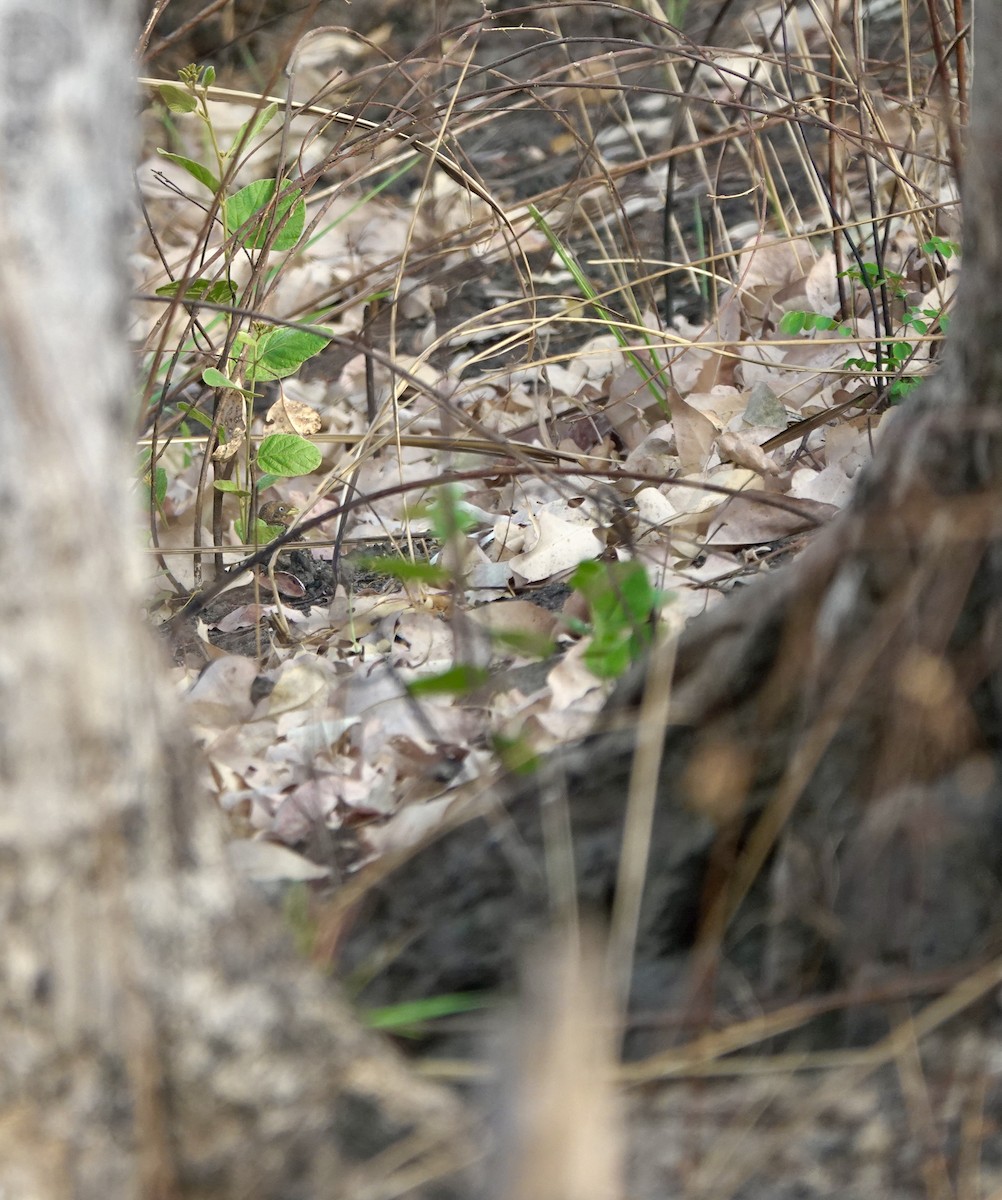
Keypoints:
(770, 262)
(520, 617)
(381, 230)
(728, 73)
(721, 404)
(486, 580)
(222, 694)
(359, 615)
(821, 286)
(244, 616)
(560, 546)
(409, 827)
(421, 643)
(570, 507)
(847, 448)
(694, 503)
(242, 748)
(797, 374)
(732, 447)
(417, 300)
(412, 373)
(306, 808)
(655, 455)
(313, 737)
(376, 694)
(570, 680)
(830, 486)
(628, 387)
(599, 356)
(300, 683)
(694, 434)
(304, 287)
(548, 730)
(292, 416)
(628, 420)
(510, 535)
(654, 510)
(267, 862)
(312, 393)
(743, 522)
(374, 789)
(687, 357)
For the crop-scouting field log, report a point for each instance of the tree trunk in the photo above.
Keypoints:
(159, 1036)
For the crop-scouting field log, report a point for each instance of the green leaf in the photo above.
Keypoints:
(938, 245)
(411, 1014)
(792, 323)
(219, 291)
(216, 379)
(178, 100)
(607, 658)
(195, 169)
(622, 603)
(286, 454)
(530, 645)
(635, 588)
(262, 535)
(249, 130)
(159, 485)
(227, 485)
(208, 77)
(281, 352)
(449, 518)
(289, 215)
(191, 411)
(463, 677)
(586, 578)
(516, 755)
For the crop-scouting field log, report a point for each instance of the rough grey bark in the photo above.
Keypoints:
(158, 1035)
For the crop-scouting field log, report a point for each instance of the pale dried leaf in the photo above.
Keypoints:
(267, 862)
(299, 684)
(744, 523)
(292, 416)
(732, 447)
(516, 616)
(653, 508)
(221, 696)
(560, 546)
(694, 434)
(570, 680)
(232, 426)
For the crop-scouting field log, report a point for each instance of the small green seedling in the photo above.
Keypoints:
(623, 607)
(898, 352)
(267, 214)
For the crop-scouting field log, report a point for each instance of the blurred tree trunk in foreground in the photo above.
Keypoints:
(157, 1037)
